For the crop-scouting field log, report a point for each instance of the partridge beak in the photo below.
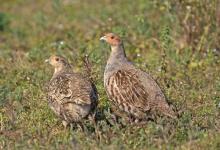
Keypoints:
(103, 38)
(46, 61)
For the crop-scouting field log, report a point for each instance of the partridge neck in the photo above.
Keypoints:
(117, 54)
(61, 69)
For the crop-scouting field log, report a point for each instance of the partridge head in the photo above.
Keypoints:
(59, 63)
(112, 39)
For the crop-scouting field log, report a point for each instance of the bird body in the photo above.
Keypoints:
(130, 89)
(70, 95)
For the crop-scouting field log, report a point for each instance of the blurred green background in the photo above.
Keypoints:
(176, 41)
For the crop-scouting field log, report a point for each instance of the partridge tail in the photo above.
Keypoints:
(88, 67)
(89, 74)
(170, 113)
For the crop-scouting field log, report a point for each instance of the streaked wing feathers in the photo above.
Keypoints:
(67, 88)
(126, 88)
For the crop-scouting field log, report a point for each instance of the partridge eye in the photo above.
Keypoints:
(57, 59)
(112, 37)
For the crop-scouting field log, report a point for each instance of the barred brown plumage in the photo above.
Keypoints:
(70, 95)
(130, 89)
(127, 93)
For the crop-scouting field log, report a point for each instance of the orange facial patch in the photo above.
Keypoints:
(113, 39)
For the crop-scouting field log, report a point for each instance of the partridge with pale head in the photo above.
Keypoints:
(70, 95)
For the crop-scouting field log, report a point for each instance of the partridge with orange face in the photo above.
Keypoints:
(131, 90)
(70, 95)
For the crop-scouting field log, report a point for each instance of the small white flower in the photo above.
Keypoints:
(61, 42)
(159, 69)
(109, 19)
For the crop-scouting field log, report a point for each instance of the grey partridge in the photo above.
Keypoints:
(129, 89)
(70, 95)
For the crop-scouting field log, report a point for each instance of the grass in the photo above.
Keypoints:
(177, 42)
